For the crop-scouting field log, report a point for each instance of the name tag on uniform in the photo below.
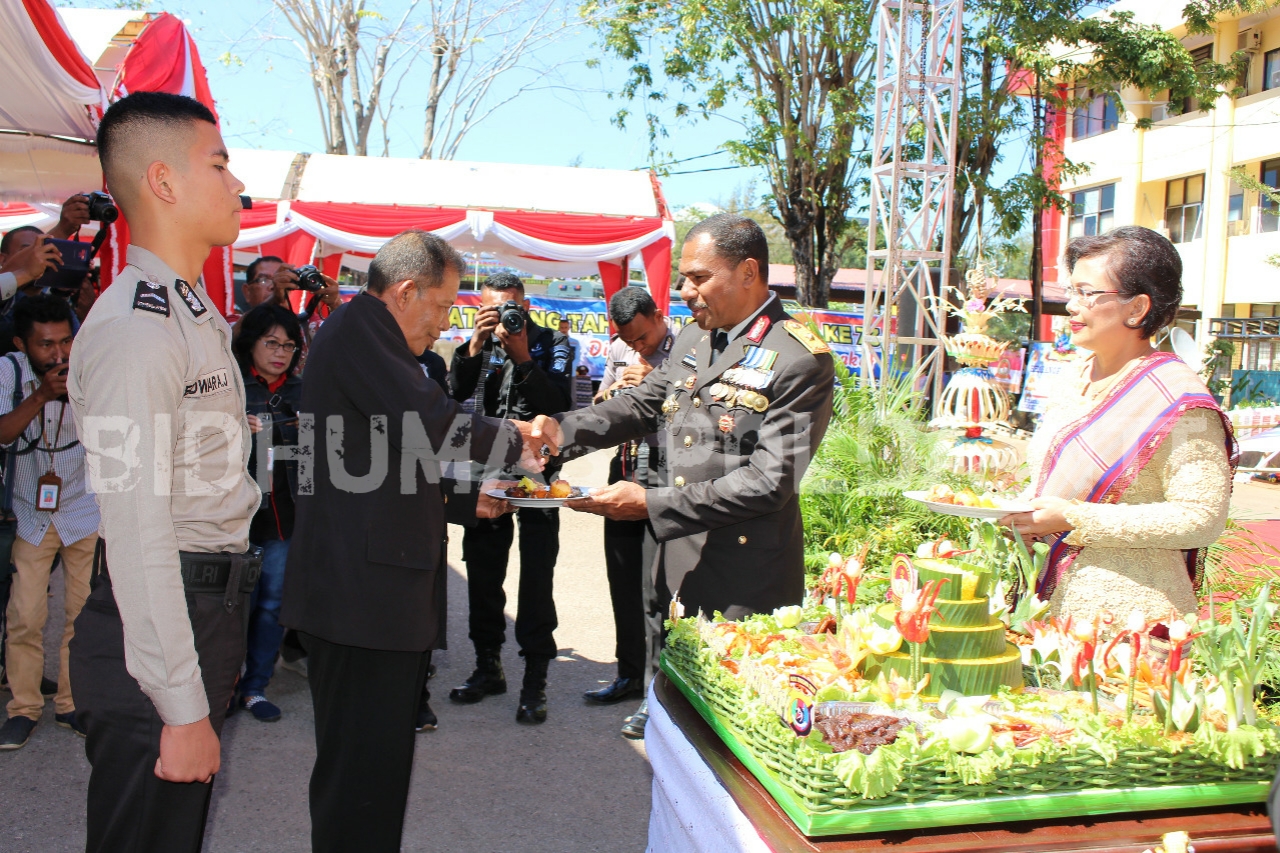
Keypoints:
(209, 385)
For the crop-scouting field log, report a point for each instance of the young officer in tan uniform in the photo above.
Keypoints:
(161, 411)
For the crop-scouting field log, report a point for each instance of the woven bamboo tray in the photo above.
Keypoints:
(806, 788)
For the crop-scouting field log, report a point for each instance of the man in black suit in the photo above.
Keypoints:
(365, 584)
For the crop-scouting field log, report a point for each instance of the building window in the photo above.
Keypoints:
(1199, 56)
(1094, 114)
(1270, 210)
(1271, 69)
(1092, 211)
(1235, 203)
(1184, 197)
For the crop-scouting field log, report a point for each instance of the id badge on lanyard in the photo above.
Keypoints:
(48, 492)
(49, 486)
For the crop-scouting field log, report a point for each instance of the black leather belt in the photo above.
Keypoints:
(223, 573)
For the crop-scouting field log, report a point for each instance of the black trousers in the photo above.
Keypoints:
(366, 704)
(131, 810)
(629, 551)
(486, 549)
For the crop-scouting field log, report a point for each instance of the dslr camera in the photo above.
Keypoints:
(102, 208)
(309, 278)
(511, 316)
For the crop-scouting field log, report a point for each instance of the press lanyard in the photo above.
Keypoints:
(57, 435)
(49, 485)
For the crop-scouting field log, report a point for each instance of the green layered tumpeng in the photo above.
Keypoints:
(962, 614)
(951, 572)
(977, 636)
(972, 676)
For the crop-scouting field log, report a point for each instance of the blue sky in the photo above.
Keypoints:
(269, 102)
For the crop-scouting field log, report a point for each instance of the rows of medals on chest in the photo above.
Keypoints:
(736, 388)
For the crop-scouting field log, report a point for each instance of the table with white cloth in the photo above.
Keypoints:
(705, 800)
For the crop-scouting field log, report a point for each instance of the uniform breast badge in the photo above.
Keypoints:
(670, 406)
(690, 382)
(726, 423)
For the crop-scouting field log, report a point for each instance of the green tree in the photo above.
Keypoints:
(1024, 64)
(796, 73)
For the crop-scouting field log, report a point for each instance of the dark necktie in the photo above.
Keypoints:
(719, 341)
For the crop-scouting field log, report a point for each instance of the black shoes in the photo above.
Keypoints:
(70, 721)
(620, 689)
(15, 732)
(427, 720)
(262, 708)
(487, 680)
(633, 728)
(533, 693)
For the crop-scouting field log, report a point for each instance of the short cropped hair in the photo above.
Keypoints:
(736, 238)
(6, 243)
(255, 325)
(1140, 262)
(40, 308)
(143, 116)
(502, 282)
(252, 270)
(414, 254)
(628, 302)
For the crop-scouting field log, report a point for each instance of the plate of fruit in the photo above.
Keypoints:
(966, 503)
(529, 493)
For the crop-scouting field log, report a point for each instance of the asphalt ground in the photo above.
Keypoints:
(481, 782)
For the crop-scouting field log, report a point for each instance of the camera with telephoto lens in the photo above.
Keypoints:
(102, 208)
(309, 278)
(511, 316)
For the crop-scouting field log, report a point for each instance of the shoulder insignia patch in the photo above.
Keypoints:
(805, 336)
(153, 298)
(189, 296)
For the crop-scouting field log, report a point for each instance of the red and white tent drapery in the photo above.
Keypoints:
(52, 87)
(561, 245)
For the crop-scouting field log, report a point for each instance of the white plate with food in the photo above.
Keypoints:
(966, 504)
(529, 494)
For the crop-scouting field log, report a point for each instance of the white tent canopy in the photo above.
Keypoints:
(491, 186)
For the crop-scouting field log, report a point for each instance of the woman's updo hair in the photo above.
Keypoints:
(1140, 262)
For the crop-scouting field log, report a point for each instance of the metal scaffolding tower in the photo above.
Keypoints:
(919, 75)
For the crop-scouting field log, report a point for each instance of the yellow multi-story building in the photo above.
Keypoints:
(1174, 176)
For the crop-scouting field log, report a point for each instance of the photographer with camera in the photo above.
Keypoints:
(643, 341)
(55, 513)
(269, 280)
(25, 255)
(522, 370)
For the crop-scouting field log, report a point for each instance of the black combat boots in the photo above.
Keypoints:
(487, 680)
(533, 693)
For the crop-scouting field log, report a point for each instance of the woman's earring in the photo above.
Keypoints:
(1132, 322)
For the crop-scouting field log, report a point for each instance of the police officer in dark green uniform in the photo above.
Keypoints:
(745, 397)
